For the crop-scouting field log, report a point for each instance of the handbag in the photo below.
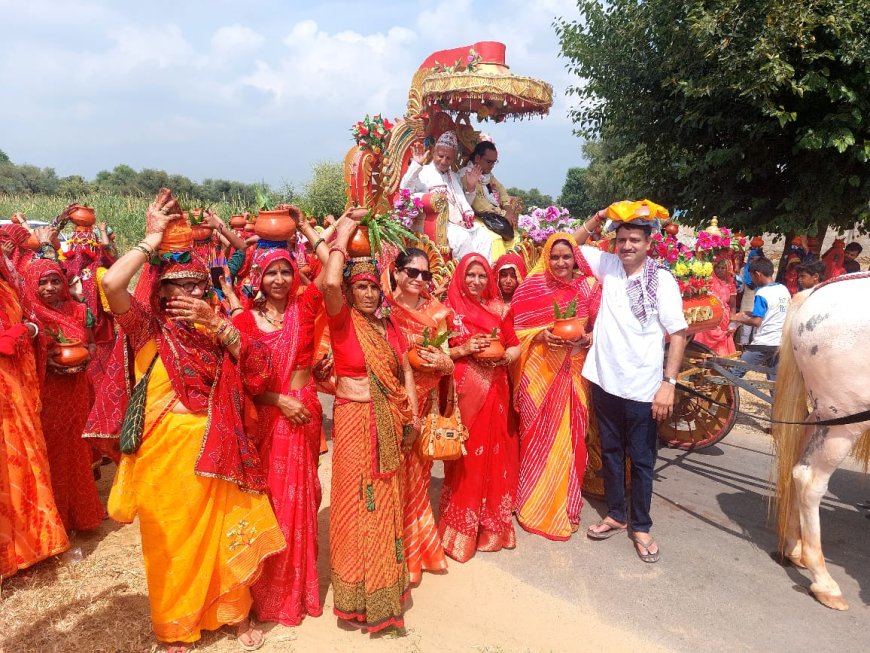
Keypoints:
(443, 437)
(133, 426)
(498, 224)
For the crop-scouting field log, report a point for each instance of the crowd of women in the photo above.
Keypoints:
(208, 402)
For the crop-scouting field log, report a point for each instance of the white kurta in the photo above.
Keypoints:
(427, 179)
(626, 358)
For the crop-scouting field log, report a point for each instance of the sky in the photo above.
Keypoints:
(256, 90)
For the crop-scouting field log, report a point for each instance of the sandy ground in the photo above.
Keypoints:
(99, 603)
(715, 589)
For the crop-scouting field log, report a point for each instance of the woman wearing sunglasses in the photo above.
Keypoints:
(413, 310)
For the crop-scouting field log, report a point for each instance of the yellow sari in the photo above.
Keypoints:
(204, 540)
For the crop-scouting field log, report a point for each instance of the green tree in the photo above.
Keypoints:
(73, 186)
(4, 158)
(759, 112)
(531, 197)
(324, 193)
(575, 194)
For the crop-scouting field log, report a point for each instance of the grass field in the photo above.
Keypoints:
(125, 214)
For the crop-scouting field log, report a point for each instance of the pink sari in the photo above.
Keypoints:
(719, 339)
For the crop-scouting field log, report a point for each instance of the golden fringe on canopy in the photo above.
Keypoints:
(535, 94)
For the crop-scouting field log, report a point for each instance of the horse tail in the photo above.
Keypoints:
(789, 405)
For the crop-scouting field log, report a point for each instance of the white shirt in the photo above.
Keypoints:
(627, 357)
(771, 305)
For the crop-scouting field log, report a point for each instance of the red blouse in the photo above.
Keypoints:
(349, 359)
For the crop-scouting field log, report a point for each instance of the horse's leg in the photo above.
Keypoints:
(827, 448)
(792, 541)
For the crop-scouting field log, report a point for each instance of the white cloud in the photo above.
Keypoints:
(234, 41)
(341, 69)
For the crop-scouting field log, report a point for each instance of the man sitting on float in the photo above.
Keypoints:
(489, 198)
(464, 235)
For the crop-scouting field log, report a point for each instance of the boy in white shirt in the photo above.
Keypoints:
(767, 316)
(640, 304)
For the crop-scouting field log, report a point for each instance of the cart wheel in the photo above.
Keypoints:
(697, 423)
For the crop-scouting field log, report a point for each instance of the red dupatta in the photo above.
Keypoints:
(202, 375)
(532, 304)
(68, 317)
(475, 316)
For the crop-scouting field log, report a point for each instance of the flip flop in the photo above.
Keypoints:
(612, 529)
(642, 550)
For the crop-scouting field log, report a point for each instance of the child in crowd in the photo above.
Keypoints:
(850, 261)
(767, 316)
(810, 274)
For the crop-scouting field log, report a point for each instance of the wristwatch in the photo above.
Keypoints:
(670, 380)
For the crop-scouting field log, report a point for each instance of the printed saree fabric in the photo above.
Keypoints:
(66, 401)
(30, 525)
(479, 491)
(288, 589)
(204, 540)
(551, 398)
(205, 378)
(423, 550)
(367, 554)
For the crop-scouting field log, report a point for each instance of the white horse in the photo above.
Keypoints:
(824, 359)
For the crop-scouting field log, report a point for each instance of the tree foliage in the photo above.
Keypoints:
(758, 111)
(531, 197)
(324, 193)
(575, 193)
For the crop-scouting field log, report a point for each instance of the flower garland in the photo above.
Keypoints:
(468, 65)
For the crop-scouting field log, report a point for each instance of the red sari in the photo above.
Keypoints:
(423, 549)
(30, 526)
(289, 588)
(479, 492)
(66, 402)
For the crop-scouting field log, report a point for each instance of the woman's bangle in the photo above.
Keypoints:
(341, 250)
(232, 337)
(237, 308)
(223, 327)
(317, 244)
(585, 228)
(145, 248)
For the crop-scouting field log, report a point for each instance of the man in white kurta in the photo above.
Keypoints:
(640, 306)
(464, 235)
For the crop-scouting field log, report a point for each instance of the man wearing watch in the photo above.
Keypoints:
(640, 305)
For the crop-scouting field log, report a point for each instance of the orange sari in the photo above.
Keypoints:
(204, 540)
(423, 548)
(369, 573)
(30, 525)
(552, 399)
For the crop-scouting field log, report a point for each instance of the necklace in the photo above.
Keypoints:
(274, 323)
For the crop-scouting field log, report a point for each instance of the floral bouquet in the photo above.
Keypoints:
(691, 266)
(406, 208)
(371, 133)
(539, 224)
(723, 240)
